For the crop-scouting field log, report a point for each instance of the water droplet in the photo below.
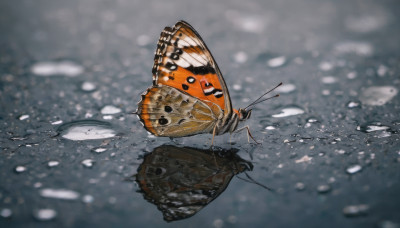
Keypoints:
(300, 186)
(88, 86)
(388, 224)
(218, 223)
(232, 219)
(53, 163)
(378, 95)
(286, 88)
(86, 130)
(20, 169)
(352, 75)
(108, 117)
(355, 210)
(326, 92)
(354, 47)
(340, 151)
(382, 70)
(305, 158)
(88, 163)
(240, 57)
(270, 128)
(87, 199)
(5, 213)
(45, 214)
(325, 66)
(63, 68)
(109, 110)
(277, 62)
(64, 194)
(353, 104)
(247, 22)
(23, 117)
(289, 111)
(99, 149)
(237, 87)
(329, 80)
(312, 120)
(57, 122)
(372, 126)
(324, 188)
(354, 169)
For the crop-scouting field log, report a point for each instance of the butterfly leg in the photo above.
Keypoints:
(212, 141)
(248, 134)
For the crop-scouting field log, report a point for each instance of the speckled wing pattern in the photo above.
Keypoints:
(189, 94)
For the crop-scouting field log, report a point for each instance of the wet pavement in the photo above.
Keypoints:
(73, 155)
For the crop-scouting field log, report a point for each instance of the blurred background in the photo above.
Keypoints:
(71, 74)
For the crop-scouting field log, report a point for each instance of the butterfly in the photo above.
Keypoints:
(189, 95)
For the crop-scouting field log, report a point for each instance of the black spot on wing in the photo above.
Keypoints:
(185, 87)
(162, 120)
(201, 70)
(217, 93)
(171, 66)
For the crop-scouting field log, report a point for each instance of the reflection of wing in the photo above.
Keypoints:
(181, 181)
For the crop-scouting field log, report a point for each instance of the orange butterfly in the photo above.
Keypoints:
(189, 95)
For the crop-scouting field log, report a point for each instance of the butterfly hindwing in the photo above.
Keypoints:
(166, 111)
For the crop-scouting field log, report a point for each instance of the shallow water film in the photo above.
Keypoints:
(73, 154)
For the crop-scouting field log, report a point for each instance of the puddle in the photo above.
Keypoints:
(289, 111)
(86, 130)
(62, 68)
(378, 95)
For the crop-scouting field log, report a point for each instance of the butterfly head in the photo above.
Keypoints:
(244, 114)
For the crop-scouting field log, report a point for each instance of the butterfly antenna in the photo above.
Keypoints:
(258, 99)
(251, 180)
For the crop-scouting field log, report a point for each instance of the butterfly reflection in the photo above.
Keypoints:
(180, 181)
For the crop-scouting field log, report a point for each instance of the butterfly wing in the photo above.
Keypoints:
(183, 61)
(166, 111)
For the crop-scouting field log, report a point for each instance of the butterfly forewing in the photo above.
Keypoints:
(184, 62)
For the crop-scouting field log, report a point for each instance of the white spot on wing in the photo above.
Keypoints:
(194, 59)
(182, 63)
(209, 90)
(190, 41)
(165, 78)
